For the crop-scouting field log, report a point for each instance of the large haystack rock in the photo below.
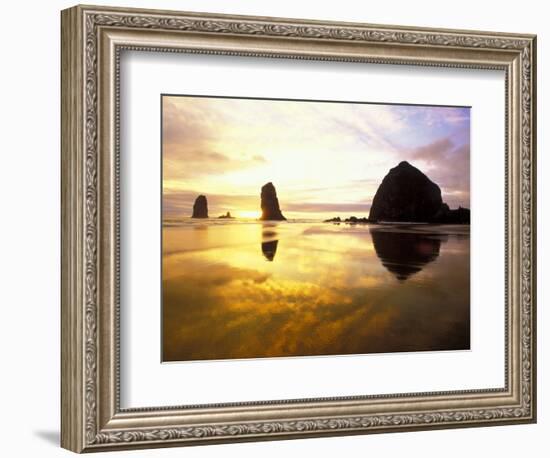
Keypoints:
(406, 195)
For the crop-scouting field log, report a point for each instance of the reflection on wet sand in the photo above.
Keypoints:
(269, 240)
(330, 290)
(405, 254)
(269, 249)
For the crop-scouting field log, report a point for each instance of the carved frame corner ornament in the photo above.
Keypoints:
(92, 38)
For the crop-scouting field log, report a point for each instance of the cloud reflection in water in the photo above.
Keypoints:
(325, 293)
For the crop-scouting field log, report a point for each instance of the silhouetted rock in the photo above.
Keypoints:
(270, 204)
(405, 253)
(460, 216)
(350, 220)
(200, 207)
(355, 220)
(447, 216)
(226, 216)
(269, 249)
(442, 213)
(406, 194)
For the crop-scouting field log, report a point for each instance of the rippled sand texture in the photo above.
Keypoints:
(253, 290)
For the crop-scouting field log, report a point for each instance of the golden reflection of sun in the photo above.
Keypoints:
(249, 214)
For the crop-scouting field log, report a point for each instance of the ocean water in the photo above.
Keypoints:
(251, 289)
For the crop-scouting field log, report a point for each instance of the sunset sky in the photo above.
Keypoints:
(325, 159)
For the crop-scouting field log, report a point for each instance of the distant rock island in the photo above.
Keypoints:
(270, 204)
(200, 207)
(407, 195)
(226, 216)
(351, 219)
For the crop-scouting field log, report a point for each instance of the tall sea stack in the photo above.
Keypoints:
(200, 207)
(270, 204)
(406, 195)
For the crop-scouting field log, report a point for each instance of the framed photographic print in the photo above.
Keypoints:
(278, 228)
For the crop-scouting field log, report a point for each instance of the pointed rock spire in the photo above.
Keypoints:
(270, 204)
(200, 207)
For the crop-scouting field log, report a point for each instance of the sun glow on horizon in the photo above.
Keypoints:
(254, 214)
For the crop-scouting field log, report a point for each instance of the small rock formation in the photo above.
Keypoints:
(270, 204)
(447, 216)
(355, 220)
(226, 216)
(350, 220)
(200, 207)
(407, 195)
(442, 213)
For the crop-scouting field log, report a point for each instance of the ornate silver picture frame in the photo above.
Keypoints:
(93, 39)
